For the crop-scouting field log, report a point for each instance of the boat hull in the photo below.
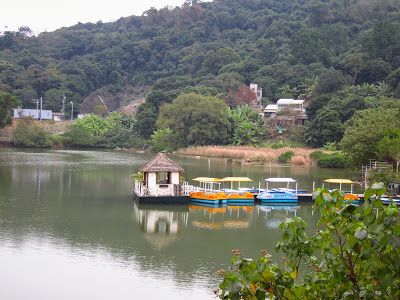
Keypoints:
(241, 198)
(240, 201)
(208, 201)
(278, 197)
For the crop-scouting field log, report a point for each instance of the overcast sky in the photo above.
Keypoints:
(48, 15)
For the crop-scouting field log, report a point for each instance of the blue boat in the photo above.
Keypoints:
(279, 195)
(387, 201)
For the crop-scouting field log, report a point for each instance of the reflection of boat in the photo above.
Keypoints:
(278, 213)
(348, 195)
(208, 208)
(279, 195)
(240, 196)
(216, 218)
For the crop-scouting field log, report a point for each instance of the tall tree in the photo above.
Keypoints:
(196, 120)
(7, 103)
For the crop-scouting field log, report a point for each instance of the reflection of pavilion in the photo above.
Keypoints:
(161, 226)
(217, 218)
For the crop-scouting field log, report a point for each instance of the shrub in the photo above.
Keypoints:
(163, 139)
(278, 145)
(78, 135)
(352, 254)
(316, 155)
(331, 146)
(121, 138)
(333, 160)
(28, 134)
(285, 157)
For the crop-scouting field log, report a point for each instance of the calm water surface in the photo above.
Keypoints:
(69, 228)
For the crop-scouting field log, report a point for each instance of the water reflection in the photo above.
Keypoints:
(160, 225)
(77, 208)
(275, 214)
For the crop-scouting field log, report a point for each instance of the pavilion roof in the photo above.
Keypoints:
(161, 163)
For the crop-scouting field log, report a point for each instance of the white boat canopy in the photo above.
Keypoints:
(236, 179)
(281, 180)
(277, 179)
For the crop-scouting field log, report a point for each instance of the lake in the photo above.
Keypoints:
(69, 228)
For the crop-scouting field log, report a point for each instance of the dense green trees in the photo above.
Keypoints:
(202, 43)
(115, 131)
(7, 103)
(196, 120)
(367, 129)
(248, 127)
(335, 54)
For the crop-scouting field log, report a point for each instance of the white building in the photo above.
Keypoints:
(284, 104)
(33, 113)
(290, 104)
(257, 90)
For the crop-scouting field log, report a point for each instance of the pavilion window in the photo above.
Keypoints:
(163, 177)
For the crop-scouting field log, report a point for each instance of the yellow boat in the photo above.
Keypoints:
(208, 195)
(238, 197)
(349, 195)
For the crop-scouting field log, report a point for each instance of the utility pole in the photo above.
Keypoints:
(72, 110)
(41, 108)
(63, 103)
(37, 107)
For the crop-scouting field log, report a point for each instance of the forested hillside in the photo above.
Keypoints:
(307, 48)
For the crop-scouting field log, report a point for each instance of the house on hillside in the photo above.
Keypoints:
(286, 112)
(257, 91)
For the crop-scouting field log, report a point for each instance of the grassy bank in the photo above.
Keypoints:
(249, 154)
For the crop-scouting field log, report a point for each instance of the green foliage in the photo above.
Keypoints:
(146, 119)
(120, 137)
(94, 124)
(325, 127)
(366, 129)
(7, 103)
(354, 253)
(331, 146)
(248, 126)
(316, 155)
(383, 175)
(78, 135)
(28, 133)
(115, 131)
(285, 157)
(268, 42)
(312, 49)
(196, 120)
(279, 144)
(333, 160)
(163, 139)
(389, 147)
(328, 113)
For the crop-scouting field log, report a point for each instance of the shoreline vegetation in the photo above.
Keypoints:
(251, 154)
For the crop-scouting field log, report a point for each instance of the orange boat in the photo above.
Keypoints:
(209, 198)
(241, 198)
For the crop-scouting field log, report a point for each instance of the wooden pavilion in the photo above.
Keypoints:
(161, 182)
